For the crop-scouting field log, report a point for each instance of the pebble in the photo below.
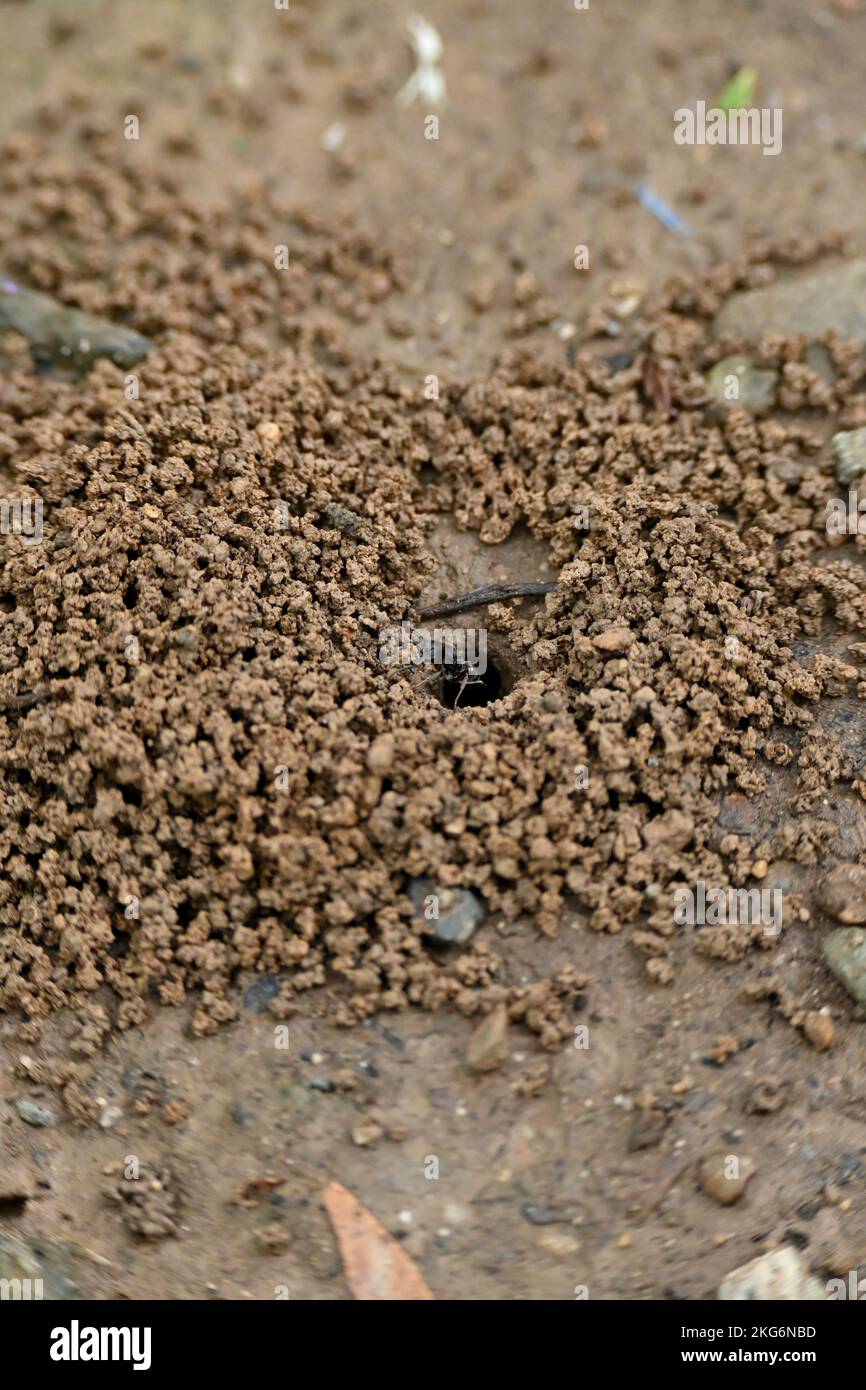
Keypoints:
(367, 1132)
(110, 1116)
(259, 994)
(756, 386)
(380, 754)
(842, 893)
(844, 951)
(269, 432)
(539, 1214)
(780, 1274)
(833, 298)
(849, 451)
(819, 1030)
(34, 1114)
(715, 1182)
(488, 1046)
(460, 911)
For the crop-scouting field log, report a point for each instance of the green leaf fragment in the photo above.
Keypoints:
(740, 91)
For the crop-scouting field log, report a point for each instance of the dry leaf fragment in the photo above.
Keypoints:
(374, 1264)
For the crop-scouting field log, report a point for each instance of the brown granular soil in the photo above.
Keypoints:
(221, 556)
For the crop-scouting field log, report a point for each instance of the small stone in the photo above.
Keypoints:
(488, 1046)
(753, 387)
(819, 1030)
(780, 1274)
(259, 994)
(269, 432)
(615, 639)
(367, 1132)
(110, 1116)
(380, 754)
(844, 951)
(842, 893)
(833, 298)
(849, 451)
(448, 914)
(34, 1114)
(558, 1244)
(536, 1213)
(724, 1177)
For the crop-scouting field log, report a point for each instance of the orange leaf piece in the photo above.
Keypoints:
(375, 1266)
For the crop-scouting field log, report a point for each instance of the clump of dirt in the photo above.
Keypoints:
(149, 1200)
(192, 683)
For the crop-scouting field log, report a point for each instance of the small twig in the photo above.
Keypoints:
(492, 593)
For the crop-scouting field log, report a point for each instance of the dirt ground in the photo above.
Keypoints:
(573, 1164)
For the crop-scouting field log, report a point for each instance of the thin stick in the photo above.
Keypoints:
(493, 593)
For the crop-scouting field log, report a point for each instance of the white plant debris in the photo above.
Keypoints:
(334, 136)
(427, 81)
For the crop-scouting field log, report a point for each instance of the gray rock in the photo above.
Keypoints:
(34, 1114)
(448, 914)
(259, 994)
(52, 1267)
(755, 386)
(833, 298)
(849, 451)
(780, 1274)
(844, 951)
(63, 336)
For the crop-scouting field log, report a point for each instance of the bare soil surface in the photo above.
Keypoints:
(215, 794)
